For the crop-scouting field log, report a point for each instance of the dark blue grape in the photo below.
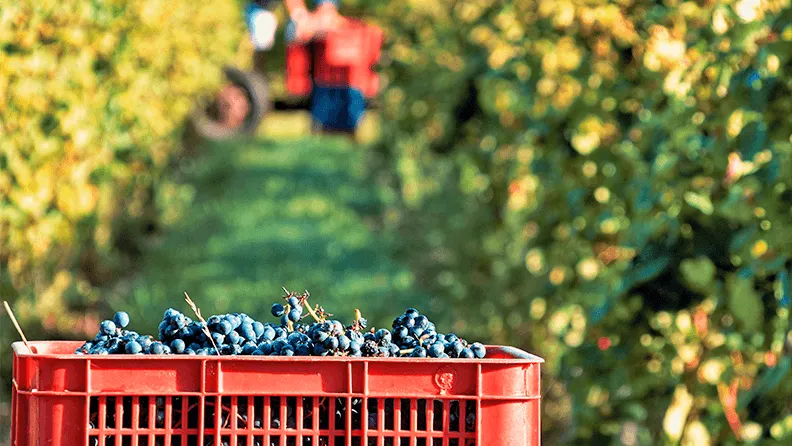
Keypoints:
(121, 319)
(278, 345)
(133, 348)
(319, 350)
(287, 350)
(277, 310)
(178, 346)
(320, 336)
(225, 327)
(383, 336)
(248, 348)
(466, 353)
(293, 302)
(234, 338)
(295, 315)
(107, 327)
(331, 343)
(343, 342)
(435, 350)
(234, 320)
(247, 332)
(268, 334)
(400, 333)
(157, 348)
(419, 352)
(265, 347)
(145, 342)
(258, 328)
(478, 349)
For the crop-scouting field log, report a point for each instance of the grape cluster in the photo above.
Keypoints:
(413, 335)
(113, 338)
(413, 331)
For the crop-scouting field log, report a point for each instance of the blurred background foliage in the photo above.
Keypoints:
(93, 98)
(606, 184)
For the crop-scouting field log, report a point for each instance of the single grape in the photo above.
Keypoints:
(177, 346)
(157, 348)
(258, 329)
(331, 343)
(268, 334)
(225, 327)
(121, 319)
(435, 350)
(287, 350)
(478, 349)
(133, 348)
(343, 342)
(419, 352)
(383, 336)
(277, 310)
(107, 327)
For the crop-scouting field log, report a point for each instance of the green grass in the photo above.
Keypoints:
(298, 214)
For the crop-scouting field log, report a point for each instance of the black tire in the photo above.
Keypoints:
(257, 90)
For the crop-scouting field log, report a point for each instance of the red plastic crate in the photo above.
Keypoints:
(62, 399)
(344, 58)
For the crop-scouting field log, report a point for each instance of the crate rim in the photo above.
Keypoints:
(517, 356)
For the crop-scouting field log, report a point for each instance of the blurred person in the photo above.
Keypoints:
(335, 109)
(262, 24)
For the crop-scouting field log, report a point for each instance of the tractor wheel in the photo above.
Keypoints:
(237, 110)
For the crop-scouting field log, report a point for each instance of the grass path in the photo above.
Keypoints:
(267, 215)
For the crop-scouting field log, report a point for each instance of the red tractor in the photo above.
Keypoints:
(329, 65)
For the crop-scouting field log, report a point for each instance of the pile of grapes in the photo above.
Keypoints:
(412, 335)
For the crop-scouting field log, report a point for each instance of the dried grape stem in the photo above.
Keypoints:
(311, 312)
(205, 327)
(16, 325)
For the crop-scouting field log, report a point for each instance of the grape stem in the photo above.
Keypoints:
(205, 327)
(16, 325)
(312, 313)
(289, 324)
(304, 300)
